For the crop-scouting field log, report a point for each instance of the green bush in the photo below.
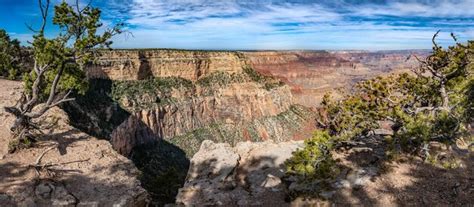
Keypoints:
(269, 83)
(314, 161)
(159, 89)
(221, 78)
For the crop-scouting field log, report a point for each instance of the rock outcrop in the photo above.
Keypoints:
(247, 174)
(85, 171)
(253, 173)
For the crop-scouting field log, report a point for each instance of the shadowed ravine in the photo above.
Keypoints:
(163, 166)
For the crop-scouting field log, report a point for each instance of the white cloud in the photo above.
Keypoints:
(235, 24)
(443, 8)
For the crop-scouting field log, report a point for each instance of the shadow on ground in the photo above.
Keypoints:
(69, 187)
(409, 180)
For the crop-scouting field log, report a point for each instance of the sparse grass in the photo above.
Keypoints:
(16, 144)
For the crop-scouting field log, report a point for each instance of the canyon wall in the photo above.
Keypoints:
(186, 112)
(185, 97)
(188, 96)
(141, 64)
(311, 74)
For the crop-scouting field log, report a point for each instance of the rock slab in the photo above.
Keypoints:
(247, 174)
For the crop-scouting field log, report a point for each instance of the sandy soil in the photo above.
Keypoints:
(406, 180)
(414, 183)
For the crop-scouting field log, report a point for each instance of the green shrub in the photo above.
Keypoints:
(314, 161)
(158, 89)
(269, 83)
(221, 78)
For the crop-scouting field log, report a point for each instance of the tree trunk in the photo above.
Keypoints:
(21, 136)
(444, 96)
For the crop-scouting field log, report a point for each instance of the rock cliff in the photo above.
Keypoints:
(182, 111)
(182, 95)
(142, 64)
(311, 74)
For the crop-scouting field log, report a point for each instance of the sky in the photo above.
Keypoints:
(268, 24)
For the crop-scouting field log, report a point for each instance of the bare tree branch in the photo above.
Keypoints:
(44, 13)
(433, 40)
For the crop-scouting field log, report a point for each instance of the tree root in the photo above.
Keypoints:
(39, 167)
(47, 168)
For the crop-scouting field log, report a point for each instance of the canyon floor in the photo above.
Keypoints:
(90, 172)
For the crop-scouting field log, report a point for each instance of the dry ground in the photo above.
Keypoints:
(89, 169)
(405, 180)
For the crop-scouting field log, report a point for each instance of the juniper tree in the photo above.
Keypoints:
(434, 102)
(10, 56)
(444, 66)
(58, 63)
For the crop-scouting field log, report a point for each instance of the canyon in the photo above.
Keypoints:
(309, 74)
(156, 107)
(150, 100)
(230, 96)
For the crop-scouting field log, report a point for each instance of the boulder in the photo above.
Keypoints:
(247, 174)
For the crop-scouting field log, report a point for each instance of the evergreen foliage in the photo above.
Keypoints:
(424, 106)
(314, 161)
(13, 57)
(58, 63)
(432, 103)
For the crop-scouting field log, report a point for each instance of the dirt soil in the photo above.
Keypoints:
(402, 181)
(86, 171)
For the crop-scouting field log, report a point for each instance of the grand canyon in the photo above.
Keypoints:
(254, 103)
(182, 98)
(220, 99)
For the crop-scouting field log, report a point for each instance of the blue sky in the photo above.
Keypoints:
(269, 24)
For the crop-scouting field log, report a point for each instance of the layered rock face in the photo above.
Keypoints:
(223, 94)
(234, 105)
(309, 73)
(313, 73)
(142, 64)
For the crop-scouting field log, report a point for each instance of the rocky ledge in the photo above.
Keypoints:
(254, 174)
(82, 170)
(247, 174)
